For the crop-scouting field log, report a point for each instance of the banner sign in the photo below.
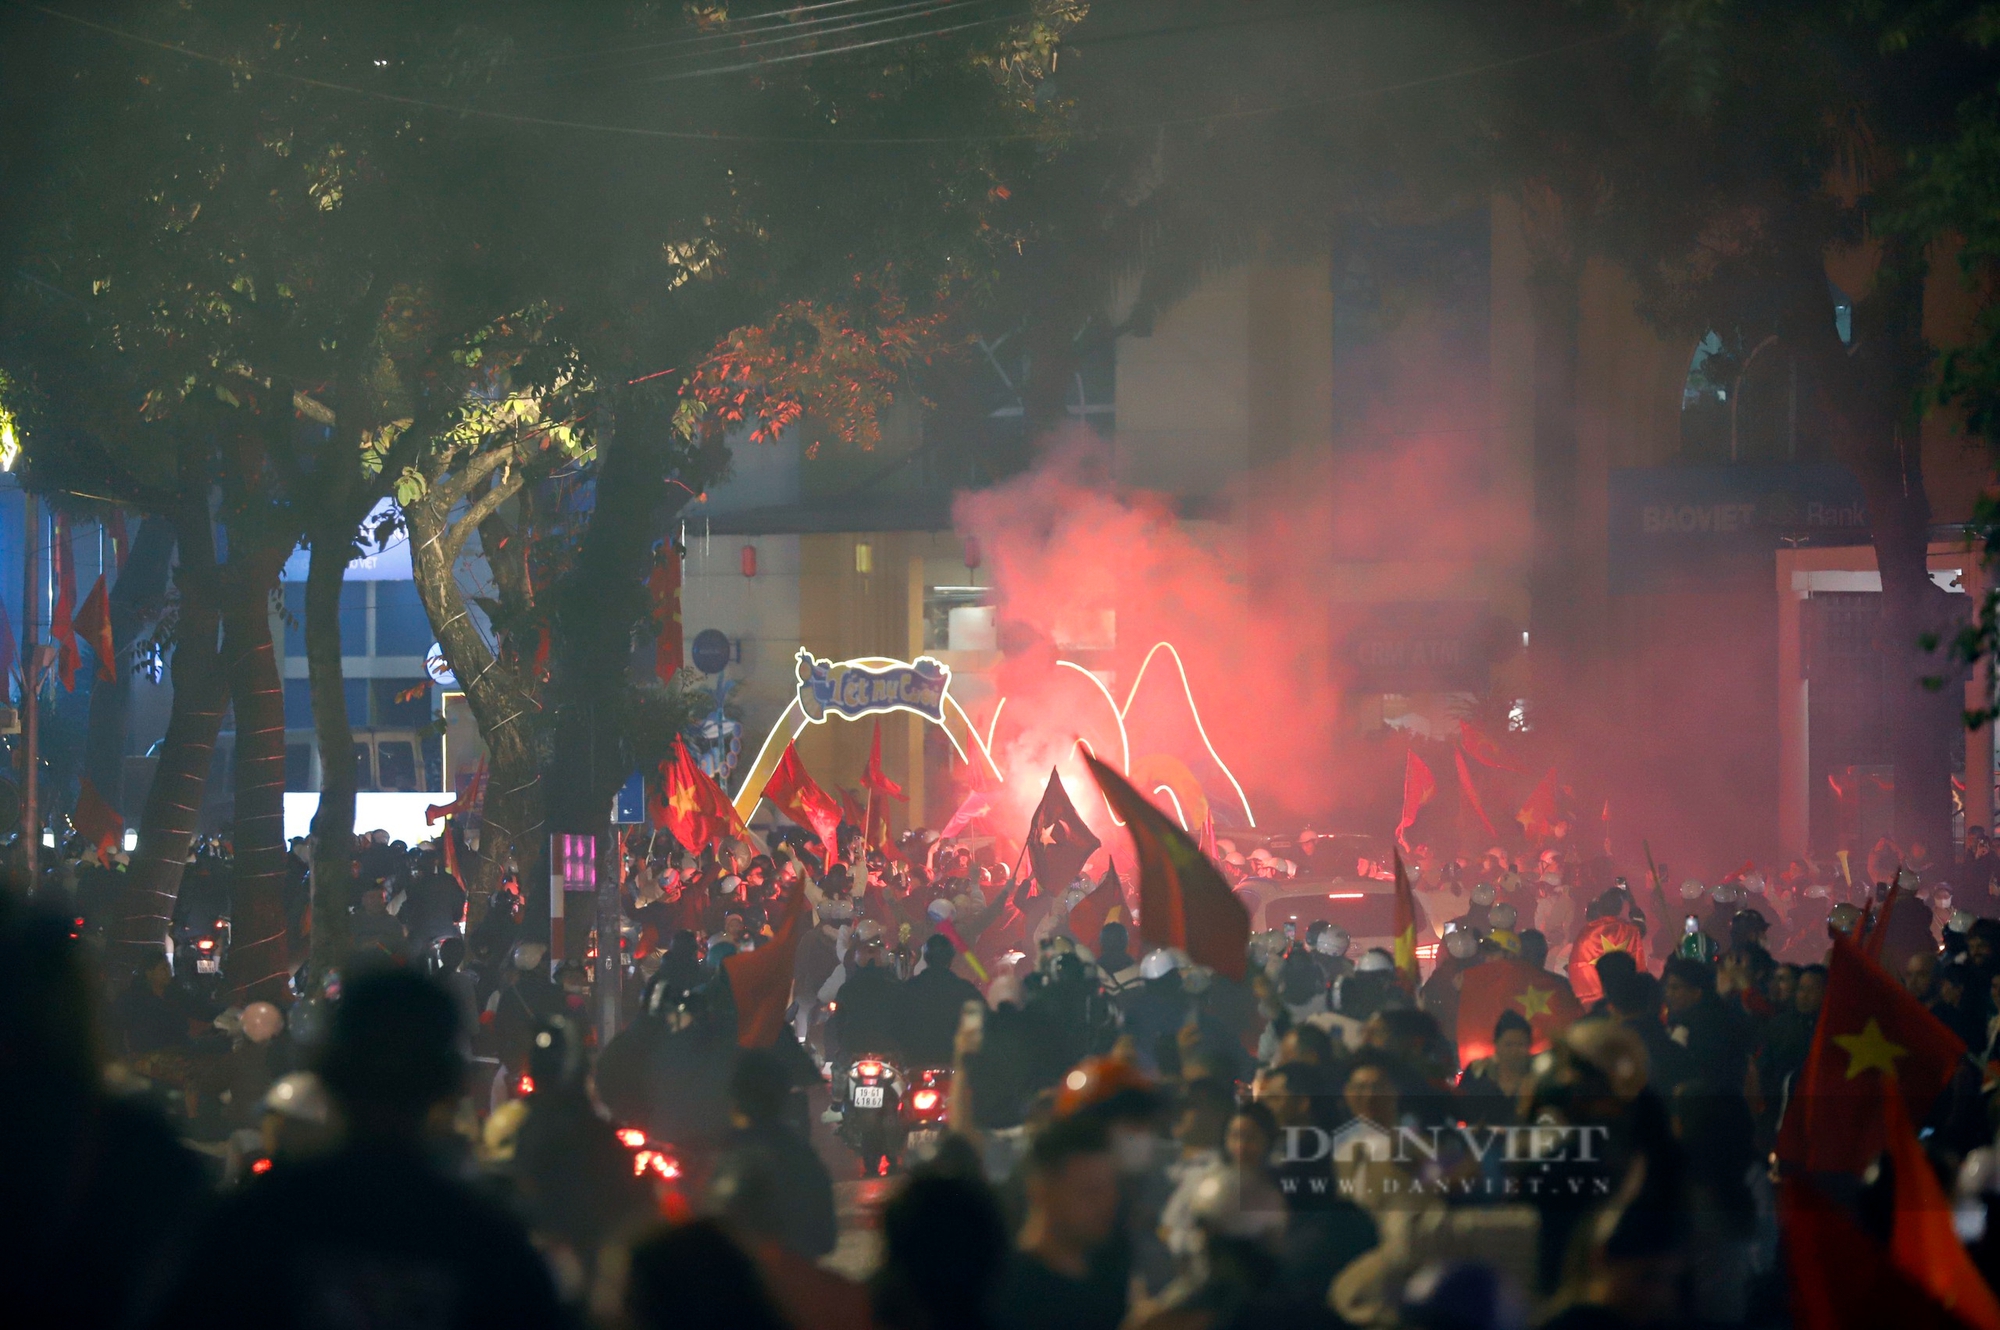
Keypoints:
(1424, 646)
(1713, 527)
(853, 690)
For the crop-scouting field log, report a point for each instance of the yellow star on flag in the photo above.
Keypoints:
(1534, 1001)
(1614, 944)
(1870, 1050)
(682, 801)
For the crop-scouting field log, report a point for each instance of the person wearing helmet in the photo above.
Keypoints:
(869, 1010)
(1328, 943)
(1118, 973)
(573, 1177)
(376, 1217)
(932, 1001)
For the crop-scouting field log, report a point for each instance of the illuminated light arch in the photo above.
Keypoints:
(966, 740)
(793, 720)
(1163, 771)
(1188, 692)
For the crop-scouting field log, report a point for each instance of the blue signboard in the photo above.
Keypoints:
(1689, 528)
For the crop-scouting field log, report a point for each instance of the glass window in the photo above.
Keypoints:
(295, 620)
(298, 705)
(401, 626)
(390, 710)
(363, 777)
(357, 702)
(396, 762)
(298, 768)
(353, 618)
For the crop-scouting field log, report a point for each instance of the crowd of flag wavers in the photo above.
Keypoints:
(1547, 1098)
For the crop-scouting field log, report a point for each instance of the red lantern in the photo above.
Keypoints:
(749, 560)
(972, 553)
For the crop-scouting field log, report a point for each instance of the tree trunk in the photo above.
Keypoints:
(136, 599)
(173, 802)
(1867, 393)
(597, 607)
(333, 821)
(504, 707)
(260, 951)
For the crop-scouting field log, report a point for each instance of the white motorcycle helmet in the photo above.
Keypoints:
(1503, 915)
(1160, 962)
(1376, 961)
(1333, 942)
(1692, 890)
(1483, 894)
(1462, 943)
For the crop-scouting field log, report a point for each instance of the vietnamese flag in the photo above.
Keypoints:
(1183, 900)
(1472, 795)
(1059, 844)
(95, 820)
(761, 980)
(93, 624)
(1404, 924)
(692, 806)
(1612, 932)
(62, 627)
(1870, 1031)
(1486, 752)
(1924, 1244)
(1089, 915)
(799, 798)
(875, 830)
(1840, 1277)
(663, 584)
(1537, 816)
(1418, 787)
(1501, 984)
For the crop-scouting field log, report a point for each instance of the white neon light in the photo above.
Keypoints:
(1124, 741)
(765, 747)
(1168, 790)
(1194, 711)
(1345, 895)
(993, 723)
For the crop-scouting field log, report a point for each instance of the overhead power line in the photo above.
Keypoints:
(826, 140)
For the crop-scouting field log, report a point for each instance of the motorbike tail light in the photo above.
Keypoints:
(205, 944)
(657, 1163)
(868, 1070)
(924, 1100)
(261, 1166)
(631, 1137)
(526, 1085)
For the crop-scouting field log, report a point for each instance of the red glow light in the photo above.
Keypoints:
(261, 1166)
(869, 1069)
(631, 1137)
(526, 1085)
(924, 1100)
(205, 944)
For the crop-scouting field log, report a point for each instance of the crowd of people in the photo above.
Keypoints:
(431, 1134)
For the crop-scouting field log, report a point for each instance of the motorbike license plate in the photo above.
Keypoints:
(867, 1096)
(208, 965)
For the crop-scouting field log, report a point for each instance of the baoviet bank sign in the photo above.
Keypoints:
(1709, 527)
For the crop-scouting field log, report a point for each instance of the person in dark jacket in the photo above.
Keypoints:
(763, 1142)
(932, 1002)
(869, 1007)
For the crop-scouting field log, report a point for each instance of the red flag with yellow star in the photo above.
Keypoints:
(1404, 925)
(1612, 932)
(692, 806)
(1500, 984)
(1870, 1030)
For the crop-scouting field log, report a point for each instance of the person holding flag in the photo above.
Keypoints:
(691, 805)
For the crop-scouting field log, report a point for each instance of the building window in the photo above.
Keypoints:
(401, 626)
(391, 711)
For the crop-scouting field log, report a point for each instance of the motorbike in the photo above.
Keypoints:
(871, 1120)
(926, 1104)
